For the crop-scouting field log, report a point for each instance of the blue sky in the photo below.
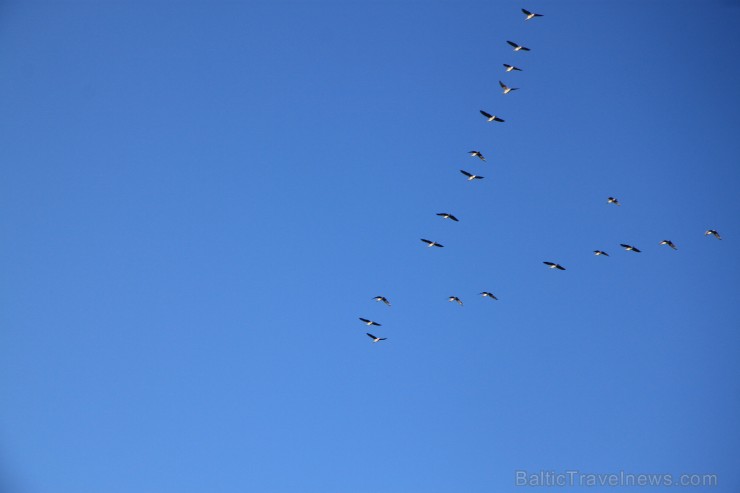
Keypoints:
(199, 199)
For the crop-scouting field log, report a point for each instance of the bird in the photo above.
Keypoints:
(669, 243)
(506, 88)
(369, 322)
(375, 339)
(489, 295)
(612, 200)
(456, 300)
(509, 68)
(491, 118)
(447, 215)
(629, 247)
(432, 243)
(383, 299)
(477, 154)
(599, 252)
(530, 15)
(713, 232)
(471, 176)
(518, 47)
(553, 265)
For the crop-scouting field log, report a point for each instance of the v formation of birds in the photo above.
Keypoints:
(506, 89)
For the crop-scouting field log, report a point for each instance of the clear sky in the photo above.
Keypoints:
(199, 199)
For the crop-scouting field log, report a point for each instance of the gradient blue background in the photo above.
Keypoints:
(199, 199)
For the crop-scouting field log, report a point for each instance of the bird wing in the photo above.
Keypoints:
(502, 84)
(487, 115)
(365, 320)
(370, 335)
(526, 12)
(465, 173)
(512, 44)
(560, 267)
(427, 241)
(452, 217)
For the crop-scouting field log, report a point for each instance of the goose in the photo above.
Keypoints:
(491, 118)
(714, 233)
(509, 68)
(447, 215)
(369, 322)
(375, 339)
(612, 200)
(599, 252)
(471, 176)
(669, 243)
(383, 299)
(489, 295)
(629, 248)
(530, 15)
(518, 47)
(432, 243)
(553, 265)
(506, 88)
(456, 300)
(477, 154)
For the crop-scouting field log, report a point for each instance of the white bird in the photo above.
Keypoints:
(369, 322)
(456, 300)
(383, 299)
(599, 252)
(375, 339)
(629, 248)
(506, 88)
(447, 215)
(471, 176)
(518, 47)
(509, 68)
(669, 243)
(553, 265)
(490, 117)
(530, 15)
(714, 233)
(489, 295)
(432, 243)
(612, 200)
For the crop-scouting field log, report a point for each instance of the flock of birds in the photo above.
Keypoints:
(472, 177)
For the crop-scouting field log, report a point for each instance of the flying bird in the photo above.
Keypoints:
(506, 88)
(489, 295)
(553, 265)
(477, 154)
(530, 15)
(432, 243)
(629, 247)
(518, 47)
(509, 68)
(447, 215)
(471, 176)
(713, 232)
(369, 322)
(383, 299)
(669, 243)
(456, 300)
(599, 252)
(612, 200)
(491, 118)
(375, 339)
